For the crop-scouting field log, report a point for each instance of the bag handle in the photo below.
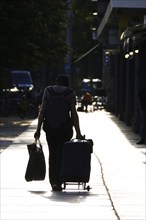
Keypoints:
(37, 141)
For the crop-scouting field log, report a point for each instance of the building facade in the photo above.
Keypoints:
(121, 30)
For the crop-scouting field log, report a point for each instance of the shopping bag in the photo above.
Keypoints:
(36, 167)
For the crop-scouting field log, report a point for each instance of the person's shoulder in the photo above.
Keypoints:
(70, 89)
(47, 91)
(47, 87)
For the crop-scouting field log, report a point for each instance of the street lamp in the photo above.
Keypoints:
(136, 50)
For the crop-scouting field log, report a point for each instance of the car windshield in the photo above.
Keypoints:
(21, 78)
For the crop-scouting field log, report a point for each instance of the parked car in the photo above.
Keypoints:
(21, 79)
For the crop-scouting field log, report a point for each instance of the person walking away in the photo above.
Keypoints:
(58, 115)
(142, 104)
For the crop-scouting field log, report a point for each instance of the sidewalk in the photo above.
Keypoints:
(117, 177)
(11, 127)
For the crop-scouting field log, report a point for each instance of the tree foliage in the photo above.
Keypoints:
(83, 23)
(33, 35)
(82, 27)
(33, 32)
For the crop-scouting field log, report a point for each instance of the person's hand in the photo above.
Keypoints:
(37, 134)
(80, 137)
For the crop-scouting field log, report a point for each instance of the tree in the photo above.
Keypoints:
(83, 23)
(82, 27)
(32, 33)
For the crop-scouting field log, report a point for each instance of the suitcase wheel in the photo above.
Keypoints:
(83, 185)
(86, 188)
(64, 185)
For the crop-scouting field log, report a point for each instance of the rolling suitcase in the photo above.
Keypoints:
(76, 159)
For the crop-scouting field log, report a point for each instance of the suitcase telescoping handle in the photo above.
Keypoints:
(75, 140)
(84, 140)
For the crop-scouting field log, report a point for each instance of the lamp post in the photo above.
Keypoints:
(68, 64)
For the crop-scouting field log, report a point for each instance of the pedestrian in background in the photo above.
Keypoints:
(142, 104)
(86, 100)
(57, 137)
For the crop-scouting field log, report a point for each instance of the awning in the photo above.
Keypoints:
(85, 54)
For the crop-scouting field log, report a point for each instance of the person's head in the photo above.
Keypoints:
(62, 80)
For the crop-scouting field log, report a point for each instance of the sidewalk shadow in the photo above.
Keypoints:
(5, 143)
(128, 132)
(70, 196)
(10, 128)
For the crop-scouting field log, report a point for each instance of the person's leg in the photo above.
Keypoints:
(82, 105)
(55, 146)
(86, 107)
(142, 127)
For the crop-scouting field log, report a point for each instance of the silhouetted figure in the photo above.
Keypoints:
(86, 100)
(56, 135)
(142, 104)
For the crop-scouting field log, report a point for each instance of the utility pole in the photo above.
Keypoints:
(68, 64)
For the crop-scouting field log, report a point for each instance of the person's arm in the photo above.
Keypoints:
(75, 119)
(40, 120)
